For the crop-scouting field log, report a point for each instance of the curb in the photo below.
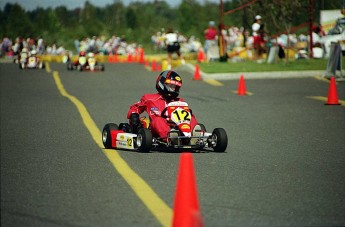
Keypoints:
(255, 75)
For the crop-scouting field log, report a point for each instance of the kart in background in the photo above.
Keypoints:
(21, 57)
(181, 136)
(31, 62)
(85, 64)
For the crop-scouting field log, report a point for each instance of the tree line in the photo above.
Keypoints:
(138, 21)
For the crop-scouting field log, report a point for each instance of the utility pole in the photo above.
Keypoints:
(222, 44)
(311, 21)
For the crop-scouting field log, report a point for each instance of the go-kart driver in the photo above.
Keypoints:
(168, 85)
(81, 58)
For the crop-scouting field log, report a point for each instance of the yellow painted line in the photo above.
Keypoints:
(213, 82)
(47, 67)
(148, 68)
(324, 99)
(247, 92)
(152, 201)
(324, 79)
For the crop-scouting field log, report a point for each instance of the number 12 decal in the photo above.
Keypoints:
(181, 115)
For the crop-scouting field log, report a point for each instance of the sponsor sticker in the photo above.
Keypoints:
(154, 111)
(122, 144)
(185, 127)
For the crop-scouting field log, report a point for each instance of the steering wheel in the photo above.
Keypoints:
(163, 113)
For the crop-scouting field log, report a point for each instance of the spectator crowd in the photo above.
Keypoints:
(236, 39)
(11, 48)
(188, 44)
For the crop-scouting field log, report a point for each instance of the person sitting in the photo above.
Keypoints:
(168, 86)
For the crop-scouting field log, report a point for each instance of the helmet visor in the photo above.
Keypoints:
(171, 87)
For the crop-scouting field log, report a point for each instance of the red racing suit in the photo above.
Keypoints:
(154, 104)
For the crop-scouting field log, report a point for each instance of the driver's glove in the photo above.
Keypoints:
(134, 122)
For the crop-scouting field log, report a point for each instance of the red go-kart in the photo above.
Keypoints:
(85, 64)
(180, 137)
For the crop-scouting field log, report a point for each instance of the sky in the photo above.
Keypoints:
(72, 4)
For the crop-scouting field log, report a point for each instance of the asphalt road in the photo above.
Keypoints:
(284, 166)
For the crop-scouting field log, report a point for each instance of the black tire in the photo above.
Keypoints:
(69, 66)
(106, 136)
(202, 126)
(102, 67)
(221, 139)
(144, 140)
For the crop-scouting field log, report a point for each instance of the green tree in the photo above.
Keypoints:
(140, 20)
(114, 17)
(131, 18)
(278, 15)
(15, 22)
(189, 15)
(46, 23)
(88, 20)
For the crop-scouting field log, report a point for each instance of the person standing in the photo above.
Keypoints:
(211, 36)
(258, 40)
(173, 46)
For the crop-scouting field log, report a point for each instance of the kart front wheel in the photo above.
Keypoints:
(69, 66)
(144, 140)
(106, 134)
(219, 140)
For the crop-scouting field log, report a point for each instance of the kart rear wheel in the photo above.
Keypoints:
(144, 140)
(220, 139)
(106, 135)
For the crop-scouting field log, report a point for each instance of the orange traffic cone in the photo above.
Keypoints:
(241, 86)
(110, 58)
(135, 58)
(201, 56)
(129, 58)
(115, 58)
(154, 66)
(186, 204)
(159, 67)
(197, 75)
(141, 56)
(332, 93)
